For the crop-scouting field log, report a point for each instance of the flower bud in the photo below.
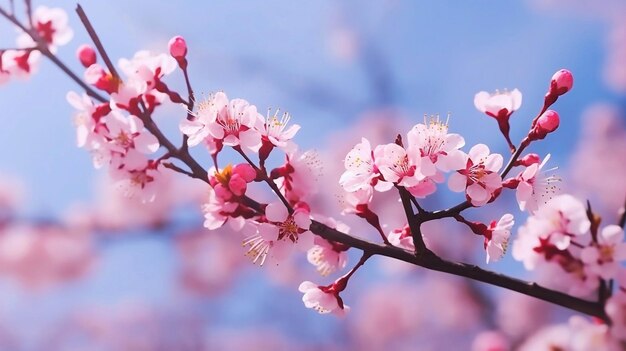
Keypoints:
(562, 82)
(528, 160)
(178, 47)
(549, 121)
(86, 55)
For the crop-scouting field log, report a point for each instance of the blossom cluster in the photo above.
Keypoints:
(50, 30)
(562, 237)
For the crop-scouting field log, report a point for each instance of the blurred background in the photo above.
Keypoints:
(83, 269)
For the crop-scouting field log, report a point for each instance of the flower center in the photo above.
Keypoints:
(289, 230)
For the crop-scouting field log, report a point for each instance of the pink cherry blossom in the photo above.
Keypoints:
(535, 188)
(603, 258)
(125, 133)
(497, 237)
(20, 64)
(438, 148)
(276, 131)
(328, 256)
(500, 103)
(323, 299)
(401, 237)
(356, 201)
(477, 175)
(280, 234)
(299, 178)
(136, 176)
(398, 165)
(97, 76)
(217, 211)
(51, 26)
(232, 122)
(361, 170)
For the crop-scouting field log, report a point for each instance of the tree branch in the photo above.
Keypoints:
(432, 262)
(96, 40)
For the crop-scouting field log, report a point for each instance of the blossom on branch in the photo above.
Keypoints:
(323, 299)
(477, 175)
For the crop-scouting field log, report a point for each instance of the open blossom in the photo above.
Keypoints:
(401, 237)
(298, 178)
(398, 165)
(233, 122)
(323, 299)
(136, 175)
(361, 171)
(51, 26)
(603, 258)
(20, 64)
(277, 132)
(329, 256)
(438, 148)
(218, 211)
(281, 233)
(87, 120)
(535, 188)
(497, 237)
(550, 230)
(477, 175)
(126, 133)
(499, 105)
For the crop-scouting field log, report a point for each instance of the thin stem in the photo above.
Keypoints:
(177, 169)
(366, 255)
(191, 99)
(96, 40)
(266, 179)
(29, 12)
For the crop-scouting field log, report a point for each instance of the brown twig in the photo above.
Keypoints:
(96, 40)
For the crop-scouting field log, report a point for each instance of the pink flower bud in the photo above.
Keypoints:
(549, 121)
(528, 160)
(237, 185)
(87, 55)
(562, 82)
(245, 171)
(178, 47)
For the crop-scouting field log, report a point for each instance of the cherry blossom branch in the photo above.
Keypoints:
(96, 40)
(29, 11)
(42, 47)
(430, 261)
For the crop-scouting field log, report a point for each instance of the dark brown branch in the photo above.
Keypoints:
(96, 40)
(414, 222)
(431, 261)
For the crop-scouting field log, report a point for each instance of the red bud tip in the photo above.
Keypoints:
(86, 55)
(562, 82)
(528, 160)
(549, 121)
(178, 47)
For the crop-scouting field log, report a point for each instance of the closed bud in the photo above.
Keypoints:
(562, 82)
(178, 47)
(549, 121)
(86, 55)
(528, 160)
